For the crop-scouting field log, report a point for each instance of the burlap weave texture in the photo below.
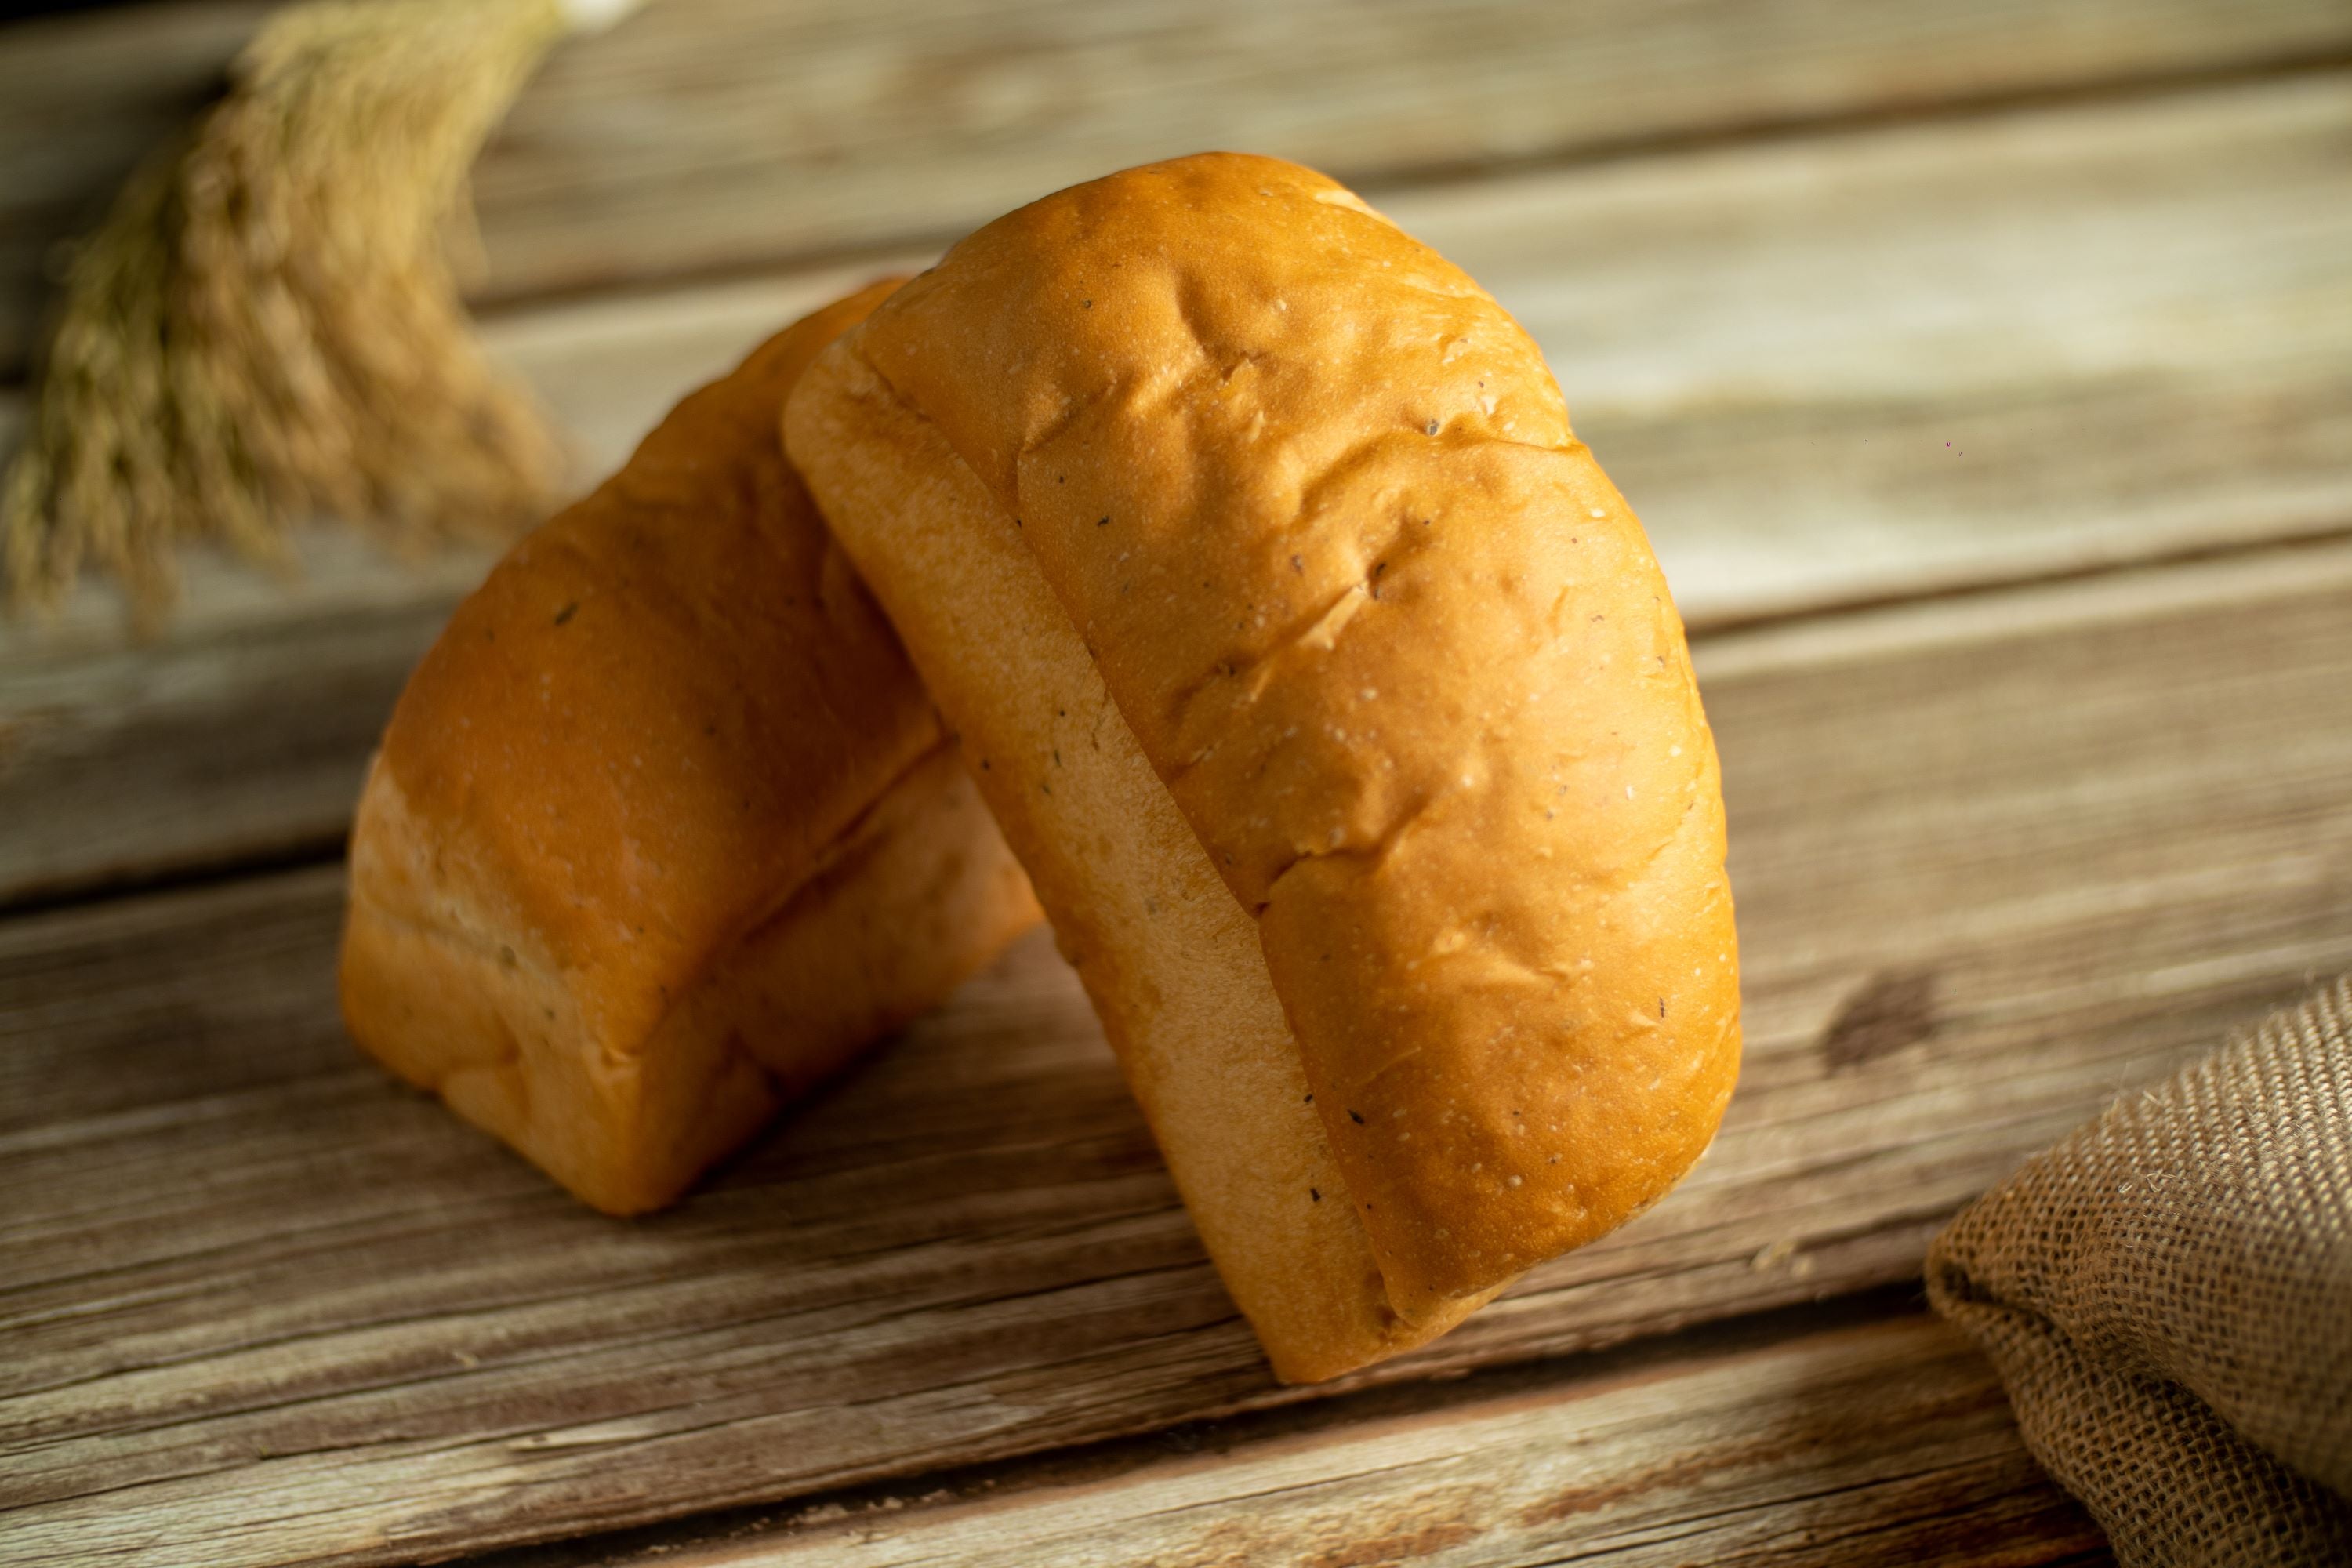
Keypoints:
(2167, 1296)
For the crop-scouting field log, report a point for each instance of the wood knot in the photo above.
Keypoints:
(1895, 1009)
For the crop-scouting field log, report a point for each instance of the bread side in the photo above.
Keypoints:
(664, 706)
(1402, 656)
(458, 995)
(1169, 959)
(579, 865)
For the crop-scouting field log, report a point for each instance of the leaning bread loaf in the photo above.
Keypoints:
(663, 827)
(1333, 699)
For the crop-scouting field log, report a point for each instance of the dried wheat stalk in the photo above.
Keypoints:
(267, 326)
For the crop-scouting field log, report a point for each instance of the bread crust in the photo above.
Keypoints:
(1169, 959)
(663, 827)
(1399, 655)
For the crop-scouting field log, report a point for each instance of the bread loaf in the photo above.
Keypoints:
(1334, 701)
(663, 828)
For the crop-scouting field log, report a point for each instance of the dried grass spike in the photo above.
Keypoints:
(268, 325)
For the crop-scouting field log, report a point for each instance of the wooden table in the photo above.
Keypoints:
(1985, 376)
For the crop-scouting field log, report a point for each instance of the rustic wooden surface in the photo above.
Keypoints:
(1860, 1445)
(708, 135)
(1996, 858)
(2036, 745)
(1949, 355)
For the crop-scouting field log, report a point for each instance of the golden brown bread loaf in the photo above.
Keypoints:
(663, 827)
(1334, 701)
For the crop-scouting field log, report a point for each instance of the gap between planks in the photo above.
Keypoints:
(263, 1307)
(1948, 356)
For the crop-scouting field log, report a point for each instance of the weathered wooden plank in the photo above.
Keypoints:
(1866, 1445)
(1996, 858)
(724, 133)
(1919, 359)
(1828, 370)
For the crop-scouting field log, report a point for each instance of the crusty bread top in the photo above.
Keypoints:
(664, 705)
(1401, 655)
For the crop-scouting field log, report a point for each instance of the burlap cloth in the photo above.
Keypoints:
(2168, 1295)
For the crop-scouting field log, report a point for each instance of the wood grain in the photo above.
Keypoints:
(1946, 356)
(711, 134)
(257, 1306)
(1857, 1446)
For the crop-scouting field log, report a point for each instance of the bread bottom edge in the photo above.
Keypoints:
(917, 895)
